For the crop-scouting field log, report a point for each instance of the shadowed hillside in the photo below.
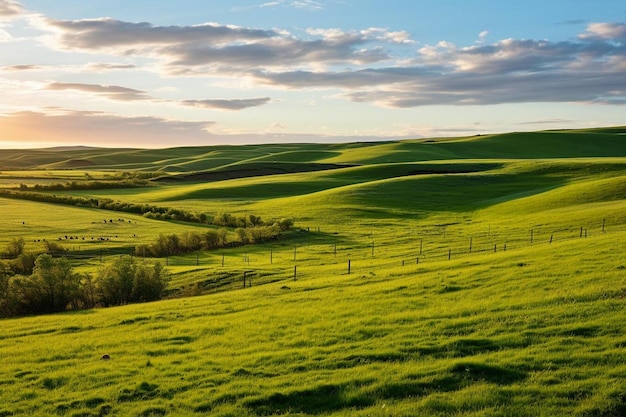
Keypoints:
(604, 142)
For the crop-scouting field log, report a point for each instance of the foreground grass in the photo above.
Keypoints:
(535, 331)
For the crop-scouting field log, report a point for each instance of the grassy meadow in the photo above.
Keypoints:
(480, 276)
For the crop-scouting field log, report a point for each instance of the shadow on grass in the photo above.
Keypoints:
(460, 348)
(615, 406)
(458, 377)
(319, 400)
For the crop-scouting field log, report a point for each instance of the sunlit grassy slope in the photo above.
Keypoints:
(486, 278)
(534, 331)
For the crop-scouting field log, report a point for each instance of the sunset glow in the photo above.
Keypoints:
(162, 73)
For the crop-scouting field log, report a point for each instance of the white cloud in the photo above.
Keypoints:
(607, 31)
(10, 9)
(297, 4)
(213, 48)
(509, 71)
(482, 36)
(374, 65)
(112, 92)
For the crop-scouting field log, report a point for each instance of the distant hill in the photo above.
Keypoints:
(206, 161)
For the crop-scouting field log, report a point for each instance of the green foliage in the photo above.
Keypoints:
(189, 242)
(15, 247)
(51, 287)
(125, 281)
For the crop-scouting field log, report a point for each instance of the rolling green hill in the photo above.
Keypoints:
(478, 276)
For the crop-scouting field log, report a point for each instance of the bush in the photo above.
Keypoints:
(124, 281)
(15, 247)
(52, 286)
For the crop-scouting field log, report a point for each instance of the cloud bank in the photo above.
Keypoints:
(193, 70)
(588, 68)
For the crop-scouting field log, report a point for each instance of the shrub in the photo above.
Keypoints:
(124, 281)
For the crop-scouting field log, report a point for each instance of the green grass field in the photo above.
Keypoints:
(480, 276)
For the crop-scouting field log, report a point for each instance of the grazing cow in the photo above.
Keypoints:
(105, 357)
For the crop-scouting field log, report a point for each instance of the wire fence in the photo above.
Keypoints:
(360, 252)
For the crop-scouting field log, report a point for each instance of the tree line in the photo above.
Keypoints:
(189, 242)
(146, 210)
(149, 211)
(86, 185)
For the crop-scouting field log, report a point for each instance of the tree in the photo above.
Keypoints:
(52, 287)
(123, 282)
(242, 234)
(149, 283)
(211, 239)
(58, 281)
(53, 248)
(115, 281)
(7, 302)
(222, 233)
(285, 224)
(87, 294)
(15, 247)
(191, 241)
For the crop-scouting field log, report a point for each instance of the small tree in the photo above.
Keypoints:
(149, 283)
(53, 248)
(15, 247)
(115, 281)
(191, 241)
(124, 281)
(52, 287)
(87, 294)
(242, 234)
(211, 239)
(223, 234)
(285, 224)
(7, 302)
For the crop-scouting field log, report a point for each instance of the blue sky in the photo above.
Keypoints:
(155, 73)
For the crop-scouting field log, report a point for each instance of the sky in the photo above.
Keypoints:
(157, 73)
